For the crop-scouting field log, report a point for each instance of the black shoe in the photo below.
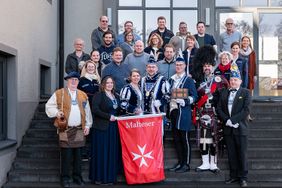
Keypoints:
(65, 183)
(78, 181)
(215, 171)
(231, 180)
(243, 183)
(172, 169)
(183, 168)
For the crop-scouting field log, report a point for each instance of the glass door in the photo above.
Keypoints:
(270, 55)
(243, 22)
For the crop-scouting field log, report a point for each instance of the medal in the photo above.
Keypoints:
(217, 79)
(147, 93)
(114, 101)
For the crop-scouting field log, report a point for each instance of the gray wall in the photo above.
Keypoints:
(81, 18)
(28, 34)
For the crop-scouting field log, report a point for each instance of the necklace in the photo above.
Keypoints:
(113, 99)
(148, 87)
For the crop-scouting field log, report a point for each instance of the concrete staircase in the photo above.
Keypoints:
(37, 161)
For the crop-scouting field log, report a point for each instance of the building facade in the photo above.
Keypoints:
(28, 61)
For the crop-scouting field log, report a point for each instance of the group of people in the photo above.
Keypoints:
(175, 74)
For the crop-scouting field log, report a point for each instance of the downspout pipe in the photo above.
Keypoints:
(61, 43)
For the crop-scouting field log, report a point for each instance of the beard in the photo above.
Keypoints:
(207, 72)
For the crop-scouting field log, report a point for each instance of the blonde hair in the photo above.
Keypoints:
(160, 43)
(84, 70)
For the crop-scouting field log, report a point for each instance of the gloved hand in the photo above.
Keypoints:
(180, 101)
(235, 125)
(230, 124)
(157, 103)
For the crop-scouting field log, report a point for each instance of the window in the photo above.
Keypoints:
(152, 22)
(181, 3)
(224, 3)
(256, 3)
(130, 3)
(276, 3)
(144, 14)
(136, 16)
(3, 98)
(191, 18)
(157, 3)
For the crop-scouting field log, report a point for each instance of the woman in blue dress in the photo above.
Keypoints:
(105, 158)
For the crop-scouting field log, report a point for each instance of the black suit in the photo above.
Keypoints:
(236, 138)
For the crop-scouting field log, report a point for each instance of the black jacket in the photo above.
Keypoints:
(102, 107)
(72, 63)
(239, 113)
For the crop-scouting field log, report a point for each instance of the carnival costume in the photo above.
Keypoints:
(154, 89)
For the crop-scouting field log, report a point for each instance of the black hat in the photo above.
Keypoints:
(152, 60)
(180, 59)
(72, 74)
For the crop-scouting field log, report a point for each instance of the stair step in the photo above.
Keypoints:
(40, 115)
(266, 107)
(265, 124)
(42, 133)
(191, 176)
(39, 142)
(253, 133)
(164, 184)
(48, 164)
(42, 125)
(259, 153)
(253, 142)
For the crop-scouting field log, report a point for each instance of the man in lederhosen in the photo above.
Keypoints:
(73, 105)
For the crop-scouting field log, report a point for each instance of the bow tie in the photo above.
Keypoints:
(232, 90)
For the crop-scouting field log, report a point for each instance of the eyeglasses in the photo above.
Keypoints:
(229, 23)
(106, 21)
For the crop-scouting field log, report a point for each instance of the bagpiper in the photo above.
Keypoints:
(209, 128)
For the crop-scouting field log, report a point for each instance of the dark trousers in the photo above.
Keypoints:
(181, 140)
(237, 155)
(70, 157)
(210, 149)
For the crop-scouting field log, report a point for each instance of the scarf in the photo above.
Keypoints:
(246, 52)
(92, 77)
(224, 68)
